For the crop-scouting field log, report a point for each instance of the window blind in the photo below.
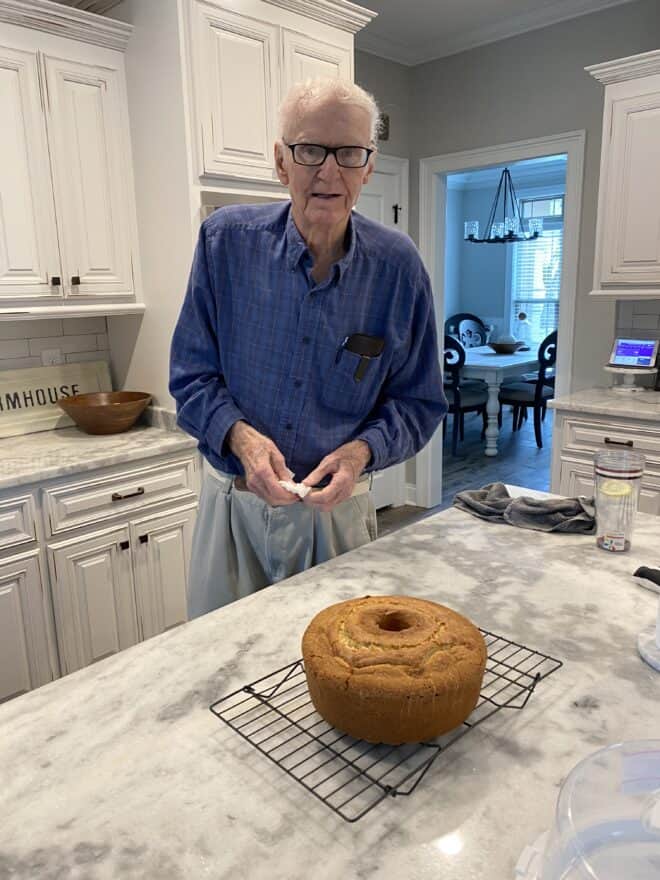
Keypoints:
(536, 276)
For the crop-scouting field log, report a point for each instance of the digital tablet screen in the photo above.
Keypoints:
(638, 353)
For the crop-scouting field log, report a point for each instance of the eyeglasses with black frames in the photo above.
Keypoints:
(316, 154)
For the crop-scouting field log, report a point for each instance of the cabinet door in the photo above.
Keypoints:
(235, 65)
(29, 256)
(161, 558)
(629, 239)
(304, 57)
(94, 597)
(88, 139)
(25, 660)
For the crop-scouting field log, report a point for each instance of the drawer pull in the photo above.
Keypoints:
(124, 545)
(117, 496)
(144, 539)
(618, 442)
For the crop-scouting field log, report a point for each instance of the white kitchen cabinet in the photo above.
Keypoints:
(161, 558)
(26, 658)
(579, 434)
(68, 231)
(305, 57)
(29, 256)
(627, 259)
(244, 55)
(93, 597)
(90, 170)
(235, 62)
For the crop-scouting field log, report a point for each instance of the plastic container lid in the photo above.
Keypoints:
(607, 821)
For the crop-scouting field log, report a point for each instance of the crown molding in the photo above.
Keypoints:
(624, 69)
(100, 7)
(337, 13)
(512, 26)
(65, 21)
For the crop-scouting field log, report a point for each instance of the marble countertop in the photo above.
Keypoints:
(605, 402)
(121, 771)
(33, 458)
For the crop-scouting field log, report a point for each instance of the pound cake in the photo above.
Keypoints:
(393, 669)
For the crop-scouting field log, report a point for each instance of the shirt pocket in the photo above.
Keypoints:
(342, 393)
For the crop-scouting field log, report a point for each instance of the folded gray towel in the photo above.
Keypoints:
(493, 502)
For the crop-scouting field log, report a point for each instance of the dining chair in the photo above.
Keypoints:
(521, 395)
(462, 398)
(468, 329)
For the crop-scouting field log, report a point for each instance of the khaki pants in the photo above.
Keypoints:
(242, 544)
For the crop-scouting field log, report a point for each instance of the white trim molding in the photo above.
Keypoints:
(337, 13)
(65, 21)
(622, 69)
(432, 197)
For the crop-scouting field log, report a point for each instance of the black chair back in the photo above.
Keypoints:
(469, 329)
(454, 358)
(547, 358)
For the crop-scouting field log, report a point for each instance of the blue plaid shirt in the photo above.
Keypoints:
(258, 339)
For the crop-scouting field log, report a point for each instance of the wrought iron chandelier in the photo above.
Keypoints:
(510, 227)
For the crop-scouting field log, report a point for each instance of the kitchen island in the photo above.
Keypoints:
(120, 771)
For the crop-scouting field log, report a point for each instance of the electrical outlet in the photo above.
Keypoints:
(52, 356)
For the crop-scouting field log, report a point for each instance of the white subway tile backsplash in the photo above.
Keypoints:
(30, 329)
(13, 348)
(66, 344)
(78, 326)
(87, 356)
(646, 322)
(625, 311)
(79, 339)
(19, 363)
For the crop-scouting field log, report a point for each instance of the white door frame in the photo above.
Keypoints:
(432, 204)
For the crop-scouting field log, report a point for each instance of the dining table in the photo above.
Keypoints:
(481, 362)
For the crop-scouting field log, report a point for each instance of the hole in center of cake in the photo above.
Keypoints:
(395, 621)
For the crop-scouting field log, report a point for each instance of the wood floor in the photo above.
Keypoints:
(519, 462)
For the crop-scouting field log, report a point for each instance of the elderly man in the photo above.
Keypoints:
(305, 356)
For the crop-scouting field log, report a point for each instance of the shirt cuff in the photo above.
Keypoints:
(219, 426)
(373, 437)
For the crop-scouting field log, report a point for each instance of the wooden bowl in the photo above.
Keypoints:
(505, 347)
(105, 412)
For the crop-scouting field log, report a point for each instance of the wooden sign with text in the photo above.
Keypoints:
(28, 398)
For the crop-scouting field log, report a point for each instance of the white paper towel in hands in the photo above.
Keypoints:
(299, 489)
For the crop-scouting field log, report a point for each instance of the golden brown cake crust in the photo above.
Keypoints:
(393, 669)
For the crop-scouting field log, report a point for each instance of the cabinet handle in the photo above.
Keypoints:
(143, 539)
(55, 281)
(124, 545)
(117, 496)
(618, 442)
(75, 280)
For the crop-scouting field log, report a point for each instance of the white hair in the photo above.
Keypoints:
(311, 93)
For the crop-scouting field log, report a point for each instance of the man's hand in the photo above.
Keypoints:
(345, 465)
(263, 463)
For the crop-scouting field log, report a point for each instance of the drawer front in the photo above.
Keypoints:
(94, 501)
(582, 436)
(577, 478)
(17, 522)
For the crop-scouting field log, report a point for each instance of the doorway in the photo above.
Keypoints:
(385, 199)
(434, 173)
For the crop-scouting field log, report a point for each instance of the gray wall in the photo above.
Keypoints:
(528, 86)
(389, 83)
(531, 86)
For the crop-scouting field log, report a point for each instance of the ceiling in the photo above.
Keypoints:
(98, 6)
(414, 31)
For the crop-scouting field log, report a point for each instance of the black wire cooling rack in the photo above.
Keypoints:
(275, 715)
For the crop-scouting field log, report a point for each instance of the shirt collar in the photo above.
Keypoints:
(297, 247)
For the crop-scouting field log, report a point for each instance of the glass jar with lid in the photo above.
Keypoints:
(618, 476)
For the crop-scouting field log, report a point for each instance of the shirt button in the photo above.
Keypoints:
(289, 426)
(306, 340)
(297, 383)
